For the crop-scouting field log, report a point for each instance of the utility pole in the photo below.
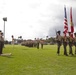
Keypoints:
(4, 19)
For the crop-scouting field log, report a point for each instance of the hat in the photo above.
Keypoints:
(64, 32)
(74, 33)
(69, 32)
(58, 31)
(0, 31)
(12, 36)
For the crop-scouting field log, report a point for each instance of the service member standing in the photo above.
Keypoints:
(12, 39)
(59, 40)
(38, 43)
(70, 40)
(41, 42)
(1, 42)
(64, 39)
(75, 42)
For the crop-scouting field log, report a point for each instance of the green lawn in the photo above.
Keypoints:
(32, 61)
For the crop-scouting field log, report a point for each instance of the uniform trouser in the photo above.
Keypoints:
(65, 50)
(75, 49)
(75, 46)
(37, 45)
(1, 47)
(70, 48)
(34, 45)
(58, 49)
(42, 46)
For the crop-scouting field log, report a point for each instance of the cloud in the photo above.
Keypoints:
(35, 18)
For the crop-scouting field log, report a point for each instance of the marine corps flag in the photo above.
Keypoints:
(65, 22)
(71, 22)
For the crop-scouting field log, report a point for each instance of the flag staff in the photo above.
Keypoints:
(71, 22)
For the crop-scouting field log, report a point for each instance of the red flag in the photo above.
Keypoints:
(65, 21)
(71, 22)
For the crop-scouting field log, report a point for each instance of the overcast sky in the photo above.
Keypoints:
(34, 18)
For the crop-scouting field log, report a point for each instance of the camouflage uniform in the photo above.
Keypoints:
(1, 42)
(41, 42)
(64, 39)
(75, 42)
(70, 40)
(58, 39)
(38, 43)
(35, 43)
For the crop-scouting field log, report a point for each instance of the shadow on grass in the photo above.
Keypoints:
(72, 55)
(8, 56)
(68, 55)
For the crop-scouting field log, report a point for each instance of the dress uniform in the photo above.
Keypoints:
(75, 42)
(58, 39)
(70, 40)
(64, 39)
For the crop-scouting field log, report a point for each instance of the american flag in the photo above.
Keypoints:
(65, 21)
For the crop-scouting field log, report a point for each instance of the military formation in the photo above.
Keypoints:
(66, 40)
(61, 40)
(37, 43)
(1, 42)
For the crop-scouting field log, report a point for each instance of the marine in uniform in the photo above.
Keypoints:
(75, 42)
(1, 42)
(59, 40)
(42, 43)
(70, 40)
(38, 43)
(64, 39)
(13, 39)
(35, 43)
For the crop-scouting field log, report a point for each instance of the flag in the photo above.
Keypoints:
(65, 21)
(71, 21)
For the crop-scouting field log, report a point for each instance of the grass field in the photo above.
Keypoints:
(32, 61)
